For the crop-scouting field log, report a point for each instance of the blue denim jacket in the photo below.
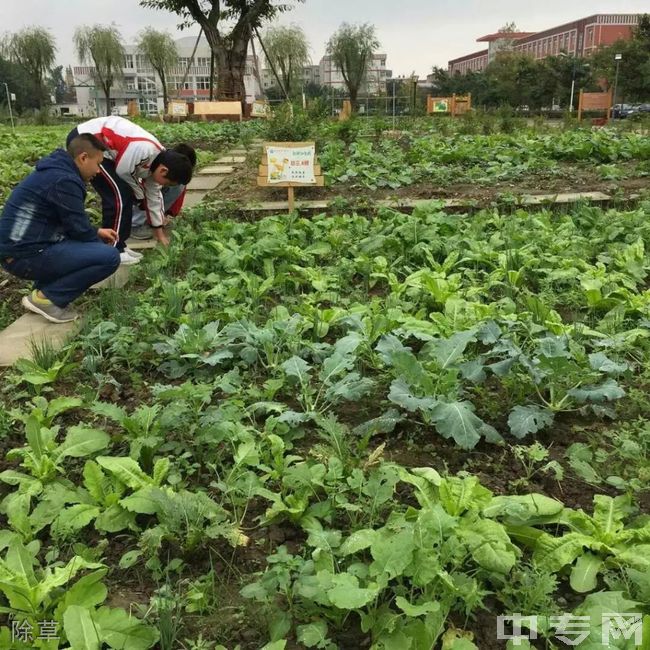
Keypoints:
(45, 208)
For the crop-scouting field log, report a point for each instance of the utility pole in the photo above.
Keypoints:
(617, 58)
(9, 96)
(573, 84)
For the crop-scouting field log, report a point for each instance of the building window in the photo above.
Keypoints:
(203, 61)
(128, 61)
(203, 83)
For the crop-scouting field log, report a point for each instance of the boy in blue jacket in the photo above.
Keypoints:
(46, 236)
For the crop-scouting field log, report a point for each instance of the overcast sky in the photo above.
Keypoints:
(416, 34)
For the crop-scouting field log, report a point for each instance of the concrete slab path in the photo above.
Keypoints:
(205, 182)
(115, 281)
(193, 198)
(216, 169)
(231, 160)
(141, 244)
(31, 329)
(527, 199)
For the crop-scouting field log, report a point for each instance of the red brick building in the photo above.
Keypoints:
(474, 62)
(580, 38)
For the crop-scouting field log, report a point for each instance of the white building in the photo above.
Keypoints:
(310, 74)
(141, 83)
(376, 75)
(326, 73)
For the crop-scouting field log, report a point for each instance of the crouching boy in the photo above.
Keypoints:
(46, 235)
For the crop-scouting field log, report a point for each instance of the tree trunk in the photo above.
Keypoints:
(354, 92)
(231, 63)
(107, 95)
(39, 91)
(211, 76)
(163, 80)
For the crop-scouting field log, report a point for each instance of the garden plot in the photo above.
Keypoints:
(345, 432)
(468, 167)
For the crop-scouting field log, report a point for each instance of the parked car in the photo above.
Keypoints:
(621, 111)
(642, 111)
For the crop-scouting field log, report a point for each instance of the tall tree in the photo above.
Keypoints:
(34, 50)
(228, 26)
(634, 66)
(19, 83)
(102, 45)
(287, 51)
(56, 84)
(351, 48)
(160, 50)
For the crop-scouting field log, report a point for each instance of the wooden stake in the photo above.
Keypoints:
(580, 107)
(291, 199)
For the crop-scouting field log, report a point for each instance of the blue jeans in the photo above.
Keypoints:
(65, 270)
(170, 194)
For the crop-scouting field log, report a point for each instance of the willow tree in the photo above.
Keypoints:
(160, 50)
(34, 49)
(102, 46)
(351, 48)
(228, 26)
(287, 52)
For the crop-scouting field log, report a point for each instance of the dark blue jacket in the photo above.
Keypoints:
(45, 208)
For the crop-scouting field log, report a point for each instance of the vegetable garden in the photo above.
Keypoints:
(356, 429)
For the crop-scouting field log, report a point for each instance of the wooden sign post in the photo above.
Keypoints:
(595, 102)
(218, 111)
(461, 104)
(177, 110)
(455, 105)
(260, 108)
(438, 104)
(133, 109)
(290, 165)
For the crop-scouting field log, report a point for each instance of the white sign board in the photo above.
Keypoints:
(259, 109)
(291, 164)
(178, 109)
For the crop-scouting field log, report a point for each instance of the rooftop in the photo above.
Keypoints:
(498, 35)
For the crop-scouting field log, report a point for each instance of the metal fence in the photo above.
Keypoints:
(370, 105)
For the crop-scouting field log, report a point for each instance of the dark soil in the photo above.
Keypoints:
(11, 291)
(241, 186)
(498, 468)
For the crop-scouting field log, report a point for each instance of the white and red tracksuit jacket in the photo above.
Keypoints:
(133, 149)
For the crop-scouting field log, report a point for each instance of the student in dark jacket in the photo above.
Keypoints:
(46, 236)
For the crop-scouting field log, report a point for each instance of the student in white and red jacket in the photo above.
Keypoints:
(173, 198)
(135, 169)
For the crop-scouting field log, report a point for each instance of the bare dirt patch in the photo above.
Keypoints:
(241, 186)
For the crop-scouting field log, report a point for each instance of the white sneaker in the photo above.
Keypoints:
(126, 259)
(133, 254)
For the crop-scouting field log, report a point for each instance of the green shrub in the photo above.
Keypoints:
(289, 124)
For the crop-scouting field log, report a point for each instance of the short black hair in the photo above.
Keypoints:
(84, 143)
(186, 150)
(179, 166)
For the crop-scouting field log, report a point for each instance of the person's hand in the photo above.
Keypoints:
(107, 235)
(161, 236)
